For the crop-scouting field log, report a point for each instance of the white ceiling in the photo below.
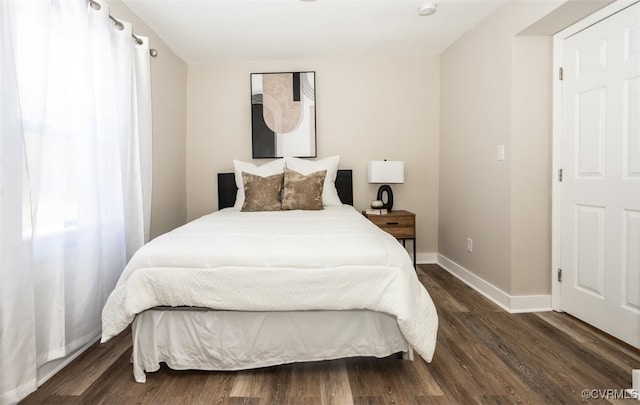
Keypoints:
(201, 31)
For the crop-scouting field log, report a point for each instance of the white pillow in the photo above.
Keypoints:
(267, 169)
(330, 164)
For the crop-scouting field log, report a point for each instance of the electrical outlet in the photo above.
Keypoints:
(469, 245)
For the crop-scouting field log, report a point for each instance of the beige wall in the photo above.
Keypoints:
(531, 151)
(443, 115)
(367, 109)
(488, 78)
(168, 92)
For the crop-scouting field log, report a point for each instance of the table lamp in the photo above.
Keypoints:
(386, 172)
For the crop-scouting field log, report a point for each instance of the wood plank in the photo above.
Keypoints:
(335, 386)
(616, 350)
(90, 365)
(483, 355)
(268, 384)
(467, 371)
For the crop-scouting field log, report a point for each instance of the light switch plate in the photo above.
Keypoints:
(500, 152)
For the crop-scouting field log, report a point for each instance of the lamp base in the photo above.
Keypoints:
(387, 203)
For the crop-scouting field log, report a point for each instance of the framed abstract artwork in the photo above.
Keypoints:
(283, 114)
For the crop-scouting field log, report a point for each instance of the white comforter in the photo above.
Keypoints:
(333, 259)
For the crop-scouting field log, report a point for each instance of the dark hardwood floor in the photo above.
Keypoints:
(484, 355)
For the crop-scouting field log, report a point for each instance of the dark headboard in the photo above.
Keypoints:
(227, 188)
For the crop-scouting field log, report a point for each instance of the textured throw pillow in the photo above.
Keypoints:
(302, 192)
(262, 193)
(267, 169)
(330, 164)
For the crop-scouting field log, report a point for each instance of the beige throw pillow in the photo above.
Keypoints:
(302, 192)
(262, 193)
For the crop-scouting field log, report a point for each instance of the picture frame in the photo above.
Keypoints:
(283, 115)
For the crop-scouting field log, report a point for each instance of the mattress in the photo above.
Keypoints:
(332, 260)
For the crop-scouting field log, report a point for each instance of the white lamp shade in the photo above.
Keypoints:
(386, 172)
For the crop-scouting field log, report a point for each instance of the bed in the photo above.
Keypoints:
(238, 290)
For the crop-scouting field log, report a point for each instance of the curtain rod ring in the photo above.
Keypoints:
(95, 5)
(120, 26)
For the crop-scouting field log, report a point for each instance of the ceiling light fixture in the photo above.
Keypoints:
(428, 8)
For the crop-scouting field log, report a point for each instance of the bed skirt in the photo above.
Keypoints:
(232, 340)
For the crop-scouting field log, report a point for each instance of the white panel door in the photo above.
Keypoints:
(600, 190)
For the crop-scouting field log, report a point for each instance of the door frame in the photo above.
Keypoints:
(558, 41)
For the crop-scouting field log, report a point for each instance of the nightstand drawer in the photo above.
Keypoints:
(400, 226)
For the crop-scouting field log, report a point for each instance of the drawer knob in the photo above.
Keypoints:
(392, 223)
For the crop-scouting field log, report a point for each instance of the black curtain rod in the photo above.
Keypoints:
(120, 26)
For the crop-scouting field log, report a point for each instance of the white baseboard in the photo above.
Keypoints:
(530, 303)
(426, 258)
(634, 391)
(510, 303)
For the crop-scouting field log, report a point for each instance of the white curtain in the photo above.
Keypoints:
(75, 177)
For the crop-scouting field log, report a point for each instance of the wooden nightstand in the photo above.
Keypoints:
(401, 224)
